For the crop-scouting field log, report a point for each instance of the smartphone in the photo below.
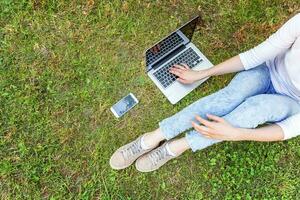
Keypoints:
(124, 105)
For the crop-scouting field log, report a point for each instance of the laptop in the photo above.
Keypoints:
(176, 48)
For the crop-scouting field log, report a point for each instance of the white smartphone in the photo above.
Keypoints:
(124, 105)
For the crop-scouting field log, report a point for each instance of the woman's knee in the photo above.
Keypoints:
(260, 100)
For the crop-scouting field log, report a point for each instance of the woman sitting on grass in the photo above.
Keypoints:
(266, 90)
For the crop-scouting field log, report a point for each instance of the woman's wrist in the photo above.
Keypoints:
(204, 74)
(213, 71)
(243, 134)
(264, 134)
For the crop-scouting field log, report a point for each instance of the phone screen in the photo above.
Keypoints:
(124, 105)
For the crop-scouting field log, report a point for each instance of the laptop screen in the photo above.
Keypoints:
(176, 39)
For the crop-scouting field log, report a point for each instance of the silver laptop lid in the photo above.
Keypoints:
(169, 44)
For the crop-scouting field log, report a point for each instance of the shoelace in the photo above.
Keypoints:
(158, 154)
(132, 150)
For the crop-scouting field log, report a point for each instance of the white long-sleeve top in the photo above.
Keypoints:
(281, 52)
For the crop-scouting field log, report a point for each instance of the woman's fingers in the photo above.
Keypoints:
(179, 67)
(176, 71)
(181, 80)
(206, 129)
(185, 66)
(207, 135)
(201, 128)
(215, 118)
(203, 121)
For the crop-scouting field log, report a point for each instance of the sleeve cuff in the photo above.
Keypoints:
(290, 126)
(286, 132)
(244, 59)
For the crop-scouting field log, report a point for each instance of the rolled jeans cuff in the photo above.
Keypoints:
(165, 130)
(196, 141)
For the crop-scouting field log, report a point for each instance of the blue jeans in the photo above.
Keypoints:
(248, 101)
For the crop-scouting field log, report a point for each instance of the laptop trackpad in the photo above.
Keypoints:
(179, 89)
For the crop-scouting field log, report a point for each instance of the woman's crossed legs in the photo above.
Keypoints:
(248, 101)
(244, 85)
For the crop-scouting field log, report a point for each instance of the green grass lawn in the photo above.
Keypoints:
(64, 63)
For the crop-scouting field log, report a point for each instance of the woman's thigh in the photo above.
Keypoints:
(252, 112)
(243, 85)
(263, 108)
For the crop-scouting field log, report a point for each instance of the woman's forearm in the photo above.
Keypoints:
(231, 65)
(187, 76)
(264, 134)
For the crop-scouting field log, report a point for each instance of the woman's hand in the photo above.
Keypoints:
(218, 128)
(187, 75)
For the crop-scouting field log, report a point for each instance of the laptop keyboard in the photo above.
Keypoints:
(165, 46)
(188, 57)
